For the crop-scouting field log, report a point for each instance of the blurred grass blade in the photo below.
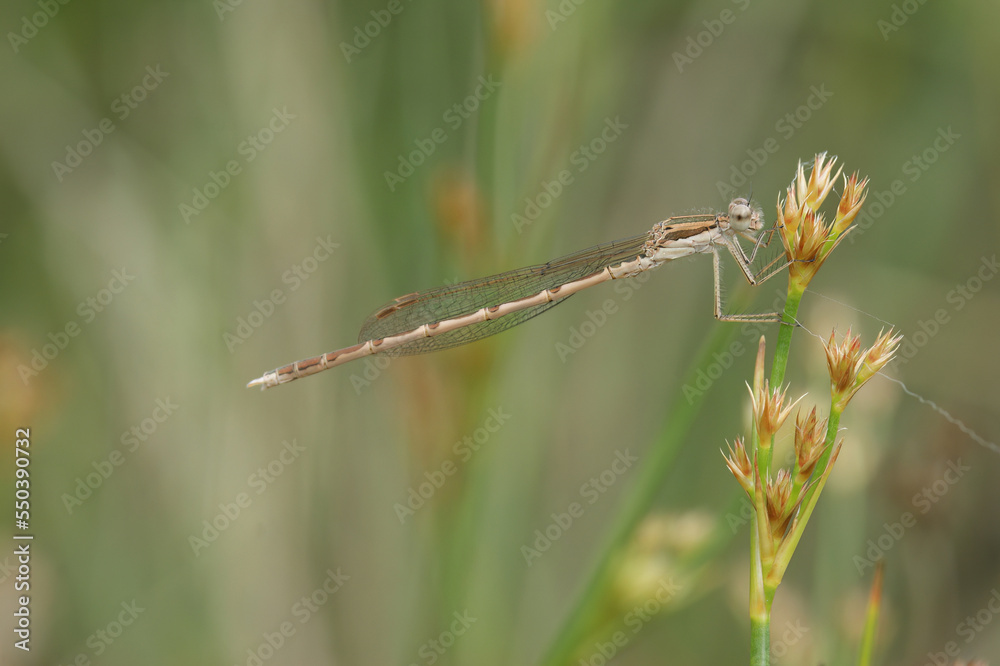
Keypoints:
(871, 621)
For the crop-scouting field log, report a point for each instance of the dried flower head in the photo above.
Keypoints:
(780, 505)
(739, 464)
(850, 367)
(854, 195)
(878, 355)
(843, 361)
(812, 192)
(807, 238)
(810, 435)
(769, 411)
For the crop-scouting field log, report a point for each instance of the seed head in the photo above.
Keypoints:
(878, 355)
(850, 367)
(810, 435)
(807, 237)
(769, 411)
(854, 195)
(812, 192)
(779, 505)
(739, 464)
(842, 360)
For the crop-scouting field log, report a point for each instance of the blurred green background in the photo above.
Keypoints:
(196, 192)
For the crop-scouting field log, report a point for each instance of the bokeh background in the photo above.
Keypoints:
(148, 284)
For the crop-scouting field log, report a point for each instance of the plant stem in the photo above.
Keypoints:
(760, 640)
(762, 594)
(760, 607)
(788, 324)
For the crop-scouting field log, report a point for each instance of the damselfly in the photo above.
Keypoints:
(449, 316)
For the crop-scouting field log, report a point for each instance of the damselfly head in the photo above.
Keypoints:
(744, 217)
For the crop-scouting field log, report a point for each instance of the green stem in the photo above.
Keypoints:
(760, 640)
(635, 503)
(788, 324)
(868, 639)
(761, 593)
(760, 606)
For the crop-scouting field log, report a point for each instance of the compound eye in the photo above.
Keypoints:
(740, 216)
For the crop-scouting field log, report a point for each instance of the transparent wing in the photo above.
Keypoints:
(426, 307)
